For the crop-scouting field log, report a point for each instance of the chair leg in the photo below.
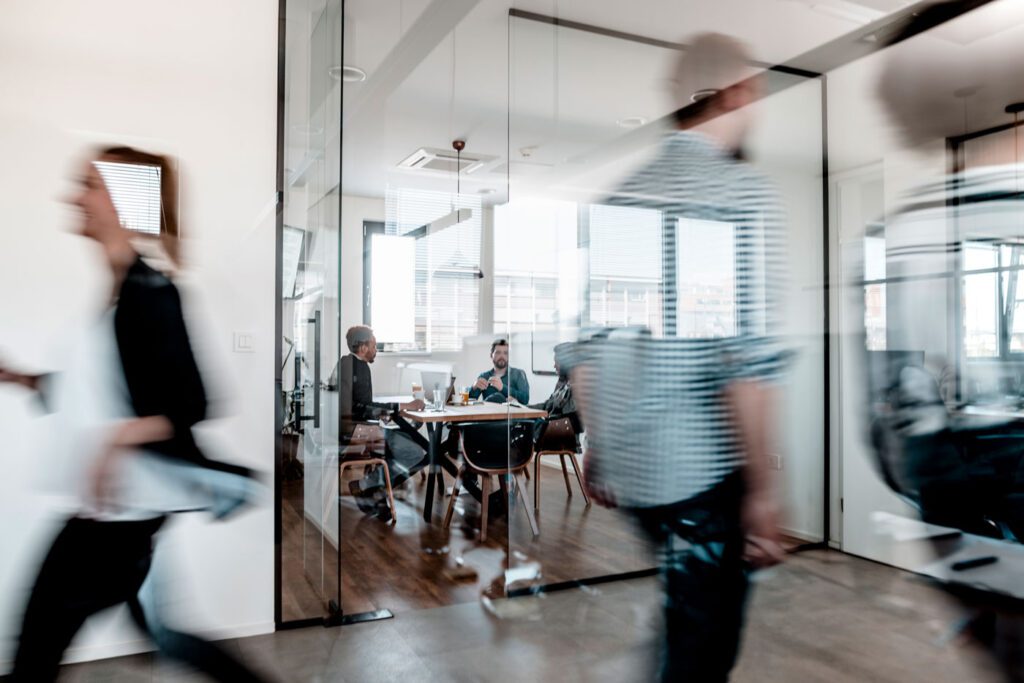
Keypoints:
(391, 496)
(455, 497)
(485, 489)
(579, 478)
(526, 473)
(503, 483)
(536, 482)
(521, 488)
(565, 474)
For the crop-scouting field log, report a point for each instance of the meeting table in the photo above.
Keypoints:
(453, 415)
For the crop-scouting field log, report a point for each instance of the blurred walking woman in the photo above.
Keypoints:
(125, 407)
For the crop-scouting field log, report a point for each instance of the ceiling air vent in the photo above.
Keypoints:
(444, 161)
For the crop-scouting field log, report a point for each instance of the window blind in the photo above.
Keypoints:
(447, 286)
(532, 238)
(626, 267)
(135, 191)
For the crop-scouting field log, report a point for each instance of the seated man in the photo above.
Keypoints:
(495, 385)
(403, 449)
(501, 381)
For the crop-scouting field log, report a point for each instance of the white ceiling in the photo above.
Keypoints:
(540, 95)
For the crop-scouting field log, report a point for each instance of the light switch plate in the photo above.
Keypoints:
(243, 342)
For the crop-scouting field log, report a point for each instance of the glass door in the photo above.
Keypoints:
(309, 310)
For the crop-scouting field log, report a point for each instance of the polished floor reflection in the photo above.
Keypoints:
(824, 617)
(400, 567)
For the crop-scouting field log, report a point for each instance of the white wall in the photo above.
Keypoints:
(195, 79)
(863, 147)
(786, 146)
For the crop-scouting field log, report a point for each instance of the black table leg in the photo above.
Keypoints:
(433, 469)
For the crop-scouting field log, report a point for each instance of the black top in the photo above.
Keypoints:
(355, 393)
(560, 403)
(159, 368)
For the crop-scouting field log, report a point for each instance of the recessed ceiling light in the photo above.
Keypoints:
(349, 74)
(631, 122)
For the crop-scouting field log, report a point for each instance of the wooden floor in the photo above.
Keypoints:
(823, 617)
(414, 565)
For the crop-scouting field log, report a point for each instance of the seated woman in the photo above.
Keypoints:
(559, 404)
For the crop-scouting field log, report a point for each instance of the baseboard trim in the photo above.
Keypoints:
(805, 536)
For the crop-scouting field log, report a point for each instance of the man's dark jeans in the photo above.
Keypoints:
(706, 581)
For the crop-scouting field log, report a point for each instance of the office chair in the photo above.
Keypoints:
(494, 448)
(559, 436)
(365, 448)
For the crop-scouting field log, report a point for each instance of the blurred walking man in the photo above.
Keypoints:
(687, 456)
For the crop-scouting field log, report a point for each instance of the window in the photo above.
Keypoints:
(135, 191)
(625, 267)
(443, 276)
(705, 279)
(874, 288)
(991, 299)
(535, 254)
(393, 288)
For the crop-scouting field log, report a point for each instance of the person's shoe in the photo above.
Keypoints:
(383, 510)
(363, 499)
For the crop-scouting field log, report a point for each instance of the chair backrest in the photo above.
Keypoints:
(911, 397)
(889, 459)
(365, 438)
(558, 434)
(499, 445)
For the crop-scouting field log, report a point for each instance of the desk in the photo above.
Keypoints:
(435, 421)
(1000, 580)
(393, 399)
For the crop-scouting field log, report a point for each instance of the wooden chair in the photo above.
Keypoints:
(365, 448)
(558, 437)
(494, 448)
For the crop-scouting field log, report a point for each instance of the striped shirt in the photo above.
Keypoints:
(657, 424)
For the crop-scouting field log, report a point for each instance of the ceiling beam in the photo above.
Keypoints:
(435, 24)
(813, 63)
(877, 35)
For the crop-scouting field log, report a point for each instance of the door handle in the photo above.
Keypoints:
(315, 417)
(316, 367)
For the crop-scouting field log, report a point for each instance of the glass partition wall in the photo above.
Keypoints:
(470, 232)
(416, 252)
(588, 107)
(928, 124)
